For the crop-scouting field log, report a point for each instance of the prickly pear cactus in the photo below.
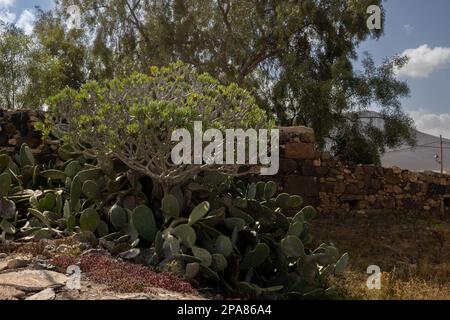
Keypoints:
(143, 221)
(118, 217)
(219, 231)
(242, 238)
(89, 220)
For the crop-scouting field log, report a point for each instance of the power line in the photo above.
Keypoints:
(426, 145)
(413, 148)
(439, 158)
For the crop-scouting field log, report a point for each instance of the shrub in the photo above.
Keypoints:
(213, 229)
(132, 119)
(238, 236)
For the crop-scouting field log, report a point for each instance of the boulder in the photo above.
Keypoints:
(33, 280)
(47, 294)
(18, 263)
(10, 293)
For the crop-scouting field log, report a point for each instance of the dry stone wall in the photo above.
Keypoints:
(333, 186)
(341, 188)
(18, 127)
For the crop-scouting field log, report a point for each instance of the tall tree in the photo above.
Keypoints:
(296, 56)
(14, 48)
(57, 59)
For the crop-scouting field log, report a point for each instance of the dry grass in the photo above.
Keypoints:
(353, 286)
(413, 254)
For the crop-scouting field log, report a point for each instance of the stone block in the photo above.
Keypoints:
(321, 171)
(300, 151)
(303, 186)
(308, 168)
(288, 165)
(351, 197)
(301, 134)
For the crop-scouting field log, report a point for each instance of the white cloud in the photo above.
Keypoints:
(26, 21)
(408, 29)
(424, 60)
(431, 123)
(7, 16)
(6, 3)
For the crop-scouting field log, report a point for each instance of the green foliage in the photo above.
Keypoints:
(35, 67)
(118, 217)
(57, 59)
(204, 256)
(238, 234)
(311, 81)
(186, 234)
(170, 206)
(90, 189)
(58, 201)
(14, 48)
(72, 169)
(53, 174)
(151, 106)
(224, 246)
(26, 157)
(5, 184)
(198, 213)
(246, 243)
(341, 264)
(144, 223)
(254, 258)
(89, 220)
(47, 203)
(76, 189)
(292, 246)
(352, 146)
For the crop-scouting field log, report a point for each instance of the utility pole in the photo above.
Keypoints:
(442, 156)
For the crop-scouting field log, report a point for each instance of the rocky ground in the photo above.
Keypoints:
(38, 271)
(412, 253)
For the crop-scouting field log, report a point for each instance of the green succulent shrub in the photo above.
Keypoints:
(237, 235)
(82, 196)
(133, 118)
(16, 177)
(214, 229)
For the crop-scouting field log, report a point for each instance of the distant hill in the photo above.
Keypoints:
(422, 158)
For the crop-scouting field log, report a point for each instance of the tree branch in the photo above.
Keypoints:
(136, 22)
(251, 64)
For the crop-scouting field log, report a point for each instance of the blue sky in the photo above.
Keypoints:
(418, 28)
(423, 27)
